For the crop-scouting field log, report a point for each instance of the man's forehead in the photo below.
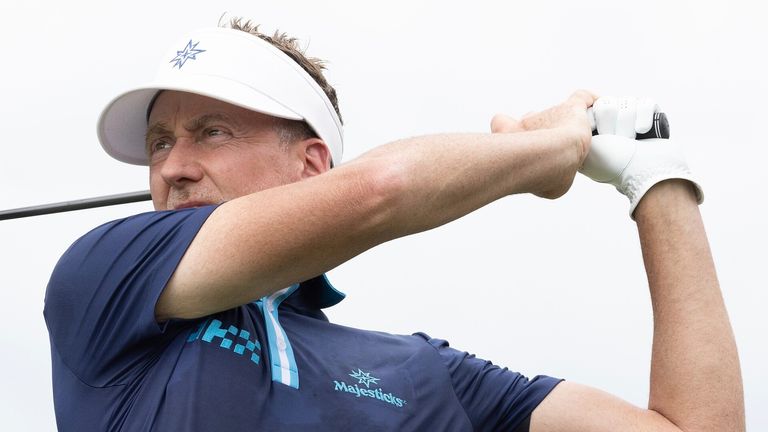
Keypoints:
(171, 102)
(173, 106)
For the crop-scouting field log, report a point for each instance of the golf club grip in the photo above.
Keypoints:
(660, 128)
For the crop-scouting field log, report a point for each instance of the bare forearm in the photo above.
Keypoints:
(695, 375)
(440, 178)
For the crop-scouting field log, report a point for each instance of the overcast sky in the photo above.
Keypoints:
(543, 287)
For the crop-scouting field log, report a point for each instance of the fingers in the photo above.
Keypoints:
(552, 117)
(538, 120)
(585, 97)
(591, 118)
(502, 123)
(646, 108)
(606, 111)
(624, 116)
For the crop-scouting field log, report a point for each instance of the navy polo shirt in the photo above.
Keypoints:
(274, 364)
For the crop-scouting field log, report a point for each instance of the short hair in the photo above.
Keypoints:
(292, 130)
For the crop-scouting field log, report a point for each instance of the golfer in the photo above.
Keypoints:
(207, 313)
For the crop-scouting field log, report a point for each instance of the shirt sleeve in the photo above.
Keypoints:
(494, 398)
(100, 300)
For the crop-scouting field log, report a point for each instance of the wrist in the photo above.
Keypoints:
(668, 196)
(549, 163)
(634, 167)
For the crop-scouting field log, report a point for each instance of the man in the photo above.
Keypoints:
(206, 314)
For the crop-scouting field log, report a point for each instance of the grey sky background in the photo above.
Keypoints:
(543, 287)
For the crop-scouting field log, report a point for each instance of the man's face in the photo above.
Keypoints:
(204, 151)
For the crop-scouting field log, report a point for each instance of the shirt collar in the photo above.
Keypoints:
(316, 293)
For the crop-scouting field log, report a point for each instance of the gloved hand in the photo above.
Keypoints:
(623, 116)
(632, 166)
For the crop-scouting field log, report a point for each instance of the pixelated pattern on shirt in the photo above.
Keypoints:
(212, 331)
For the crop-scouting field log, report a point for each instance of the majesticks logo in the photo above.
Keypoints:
(365, 378)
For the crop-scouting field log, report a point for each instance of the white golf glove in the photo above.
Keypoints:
(632, 166)
(623, 116)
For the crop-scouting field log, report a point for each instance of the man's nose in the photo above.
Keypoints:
(182, 164)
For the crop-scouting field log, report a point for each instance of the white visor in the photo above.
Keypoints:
(231, 66)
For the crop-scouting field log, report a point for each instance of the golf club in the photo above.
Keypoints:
(660, 129)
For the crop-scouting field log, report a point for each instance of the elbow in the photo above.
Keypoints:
(382, 192)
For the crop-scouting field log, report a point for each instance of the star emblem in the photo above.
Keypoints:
(364, 378)
(188, 53)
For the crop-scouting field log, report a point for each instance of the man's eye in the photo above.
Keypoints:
(159, 144)
(215, 133)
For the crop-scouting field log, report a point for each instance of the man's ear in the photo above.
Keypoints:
(316, 157)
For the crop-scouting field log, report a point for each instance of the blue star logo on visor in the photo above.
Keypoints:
(364, 377)
(188, 53)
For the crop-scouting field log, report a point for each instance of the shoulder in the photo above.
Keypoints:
(153, 222)
(132, 235)
(120, 263)
(494, 397)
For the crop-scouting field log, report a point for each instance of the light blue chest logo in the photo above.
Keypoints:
(366, 379)
(212, 329)
(188, 53)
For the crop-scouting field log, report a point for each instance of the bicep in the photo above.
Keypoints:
(572, 407)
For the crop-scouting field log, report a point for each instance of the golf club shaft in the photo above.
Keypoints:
(66, 206)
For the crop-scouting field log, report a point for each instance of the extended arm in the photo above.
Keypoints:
(259, 243)
(695, 376)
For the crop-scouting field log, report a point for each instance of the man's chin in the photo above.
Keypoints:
(189, 204)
